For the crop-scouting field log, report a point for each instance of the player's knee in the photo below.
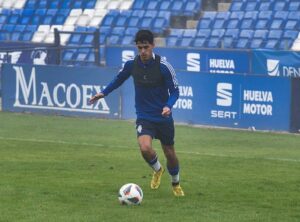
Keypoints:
(145, 147)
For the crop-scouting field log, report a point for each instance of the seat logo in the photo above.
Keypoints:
(224, 94)
(193, 62)
(273, 67)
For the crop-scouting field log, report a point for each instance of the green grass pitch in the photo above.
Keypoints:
(64, 169)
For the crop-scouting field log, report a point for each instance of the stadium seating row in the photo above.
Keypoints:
(232, 38)
(256, 5)
(273, 24)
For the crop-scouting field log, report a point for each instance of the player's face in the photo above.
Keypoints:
(145, 50)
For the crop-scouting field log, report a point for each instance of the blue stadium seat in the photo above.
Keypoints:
(164, 14)
(251, 6)
(31, 4)
(242, 43)
(247, 23)
(159, 25)
(230, 37)
(237, 6)
(139, 4)
(152, 5)
(13, 19)
(217, 33)
(271, 44)
(261, 34)
(138, 13)
(189, 33)
(234, 33)
(275, 34)
(133, 21)
(15, 36)
(40, 12)
(165, 5)
(237, 15)
(233, 24)
(8, 27)
(47, 20)
(110, 18)
(185, 42)
(220, 20)
(146, 22)
(171, 41)
(280, 5)
(20, 28)
(81, 56)
(199, 42)
(77, 4)
(114, 40)
(66, 4)
(88, 39)
(247, 33)
(121, 21)
(174, 36)
(52, 12)
(26, 36)
(251, 15)
(256, 43)
(176, 32)
(150, 13)
(54, 4)
(42, 4)
(68, 55)
(177, 7)
(191, 7)
(3, 18)
(291, 24)
(131, 31)
(206, 20)
(90, 4)
(262, 24)
(91, 57)
(244, 38)
(76, 39)
(127, 40)
(294, 6)
(118, 31)
(228, 42)
(265, 6)
(214, 42)
(203, 33)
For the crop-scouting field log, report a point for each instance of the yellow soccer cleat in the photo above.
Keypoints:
(155, 182)
(177, 190)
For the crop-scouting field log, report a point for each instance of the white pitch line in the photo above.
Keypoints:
(120, 146)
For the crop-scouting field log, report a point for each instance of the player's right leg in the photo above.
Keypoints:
(145, 133)
(150, 156)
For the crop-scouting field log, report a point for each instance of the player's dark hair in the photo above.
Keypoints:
(144, 36)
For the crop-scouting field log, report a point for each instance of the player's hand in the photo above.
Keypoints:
(166, 111)
(96, 97)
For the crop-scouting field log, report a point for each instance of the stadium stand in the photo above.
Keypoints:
(273, 24)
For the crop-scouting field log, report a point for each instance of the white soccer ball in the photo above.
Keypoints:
(130, 194)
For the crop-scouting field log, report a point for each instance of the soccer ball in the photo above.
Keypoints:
(130, 194)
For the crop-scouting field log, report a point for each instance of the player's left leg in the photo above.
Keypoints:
(173, 168)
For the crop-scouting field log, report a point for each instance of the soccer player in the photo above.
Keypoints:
(156, 91)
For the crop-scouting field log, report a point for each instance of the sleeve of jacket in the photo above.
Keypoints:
(122, 76)
(171, 82)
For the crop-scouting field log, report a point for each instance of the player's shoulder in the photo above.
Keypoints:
(128, 64)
